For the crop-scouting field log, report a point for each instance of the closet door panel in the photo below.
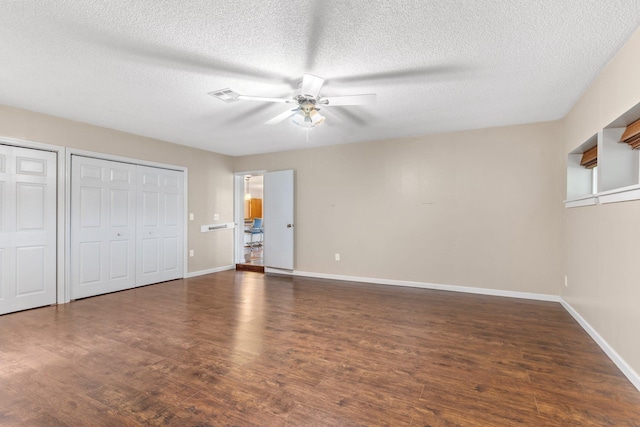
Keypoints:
(149, 256)
(102, 226)
(160, 225)
(171, 254)
(89, 262)
(119, 253)
(30, 270)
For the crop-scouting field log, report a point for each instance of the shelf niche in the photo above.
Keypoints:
(618, 170)
(620, 164)
(579, 178)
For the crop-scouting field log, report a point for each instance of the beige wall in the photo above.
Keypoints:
(603, 273)
(210, 175)
(481, 208)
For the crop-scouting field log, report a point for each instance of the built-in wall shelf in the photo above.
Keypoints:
(616, 178)
(580, 180)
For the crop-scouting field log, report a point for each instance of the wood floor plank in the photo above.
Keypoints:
(245, 349)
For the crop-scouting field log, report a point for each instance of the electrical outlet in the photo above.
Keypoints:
(191, 252)
(337, 257)
(566, 282)
(216, 217)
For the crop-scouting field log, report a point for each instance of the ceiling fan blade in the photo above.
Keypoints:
(311, 85)
(363, 99)
(264, 99)
(318, 23)
(398, 76)
(282, 116)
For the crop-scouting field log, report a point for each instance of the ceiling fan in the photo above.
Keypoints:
(307, 102)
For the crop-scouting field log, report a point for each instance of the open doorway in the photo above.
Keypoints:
(251, 231)
(271, 246)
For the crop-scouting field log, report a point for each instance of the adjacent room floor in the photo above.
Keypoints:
(244, 349)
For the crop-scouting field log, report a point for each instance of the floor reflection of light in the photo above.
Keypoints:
(249, 328)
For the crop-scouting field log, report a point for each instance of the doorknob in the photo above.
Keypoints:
(289, 225)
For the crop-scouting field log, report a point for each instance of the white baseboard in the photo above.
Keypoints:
(604, 345)
(423, 285)
(209, 271)
(278, 271)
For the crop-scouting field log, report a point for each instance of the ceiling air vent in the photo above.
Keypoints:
(227, 95)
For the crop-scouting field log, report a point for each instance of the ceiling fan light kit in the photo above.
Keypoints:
(305, 114)
(316, 118)
(301, 120)
(308, 119)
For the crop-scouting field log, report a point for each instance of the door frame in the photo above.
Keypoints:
(67, 207)
(238, 213)
(60, 202)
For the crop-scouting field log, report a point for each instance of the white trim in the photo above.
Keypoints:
(620, 195)
(238, 217)
(30, 144)
(185, 223)
(604, 345)
(268, 270)
(623, 194)
(123, 159)
(67, 224)
(589, 201)
(424, 285)
(60, 213)
(62, 295)
(209, 271)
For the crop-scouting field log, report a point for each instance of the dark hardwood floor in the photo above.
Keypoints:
(245, 349)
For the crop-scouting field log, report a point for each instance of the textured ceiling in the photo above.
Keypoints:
(146, 67)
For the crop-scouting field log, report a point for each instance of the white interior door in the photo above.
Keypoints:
(102, 226)
(160, 200)
(278, 219)
(27, 228)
